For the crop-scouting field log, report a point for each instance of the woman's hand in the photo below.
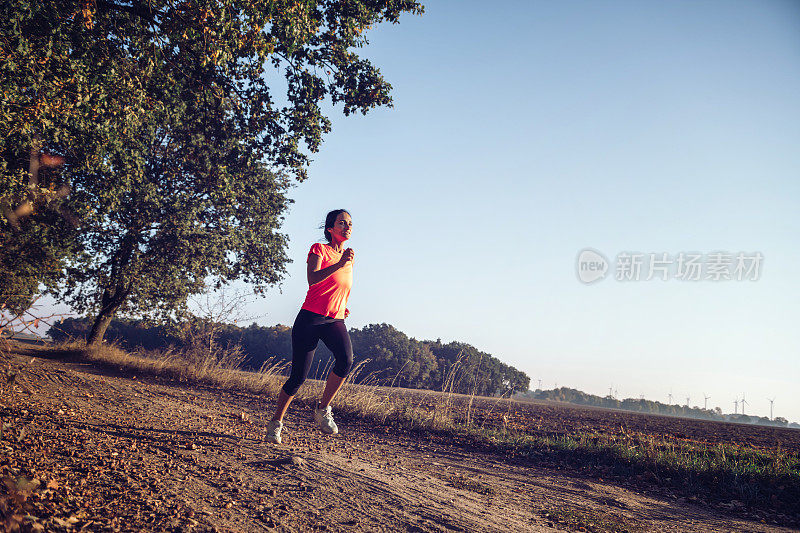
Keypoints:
(347, 255)
(346, 312)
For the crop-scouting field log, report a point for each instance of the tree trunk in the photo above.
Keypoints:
(99, 328)
(110, 302)
(107, 313)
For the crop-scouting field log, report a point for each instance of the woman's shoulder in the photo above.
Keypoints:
(323, 250)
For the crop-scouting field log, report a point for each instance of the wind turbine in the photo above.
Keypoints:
(735, 406)
(688, 399)
(743, 403)
(771, 402)
(670, 397)
(705, 403)
(540, 384)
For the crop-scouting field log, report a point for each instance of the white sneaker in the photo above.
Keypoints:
(324, 419)
(274, 431)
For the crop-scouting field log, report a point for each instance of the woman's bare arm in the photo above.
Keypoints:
(316, 274)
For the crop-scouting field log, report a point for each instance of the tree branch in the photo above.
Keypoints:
(143, 12)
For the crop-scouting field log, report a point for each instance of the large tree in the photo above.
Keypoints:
(178, 144)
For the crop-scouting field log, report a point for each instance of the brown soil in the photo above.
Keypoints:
(554, 418)
(92, 450)
(572, 418)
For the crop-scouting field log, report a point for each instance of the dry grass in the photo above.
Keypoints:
(362, 394)
(210, 368)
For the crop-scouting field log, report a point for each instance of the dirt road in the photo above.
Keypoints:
(93, 450)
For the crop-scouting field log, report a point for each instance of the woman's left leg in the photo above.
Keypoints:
(337, 340)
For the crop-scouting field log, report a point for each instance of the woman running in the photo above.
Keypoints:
(330, 276)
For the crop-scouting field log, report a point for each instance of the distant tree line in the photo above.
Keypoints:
(573, 396)
(389, 356)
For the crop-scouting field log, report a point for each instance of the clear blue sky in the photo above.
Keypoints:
(524, 132)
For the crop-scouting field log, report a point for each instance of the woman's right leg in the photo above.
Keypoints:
(304, 343)
(283, 404)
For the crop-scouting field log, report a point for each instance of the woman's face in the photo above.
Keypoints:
(342, 227)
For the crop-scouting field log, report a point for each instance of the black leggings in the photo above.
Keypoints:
(308, 329)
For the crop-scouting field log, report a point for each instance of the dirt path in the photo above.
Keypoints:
(117, 452)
